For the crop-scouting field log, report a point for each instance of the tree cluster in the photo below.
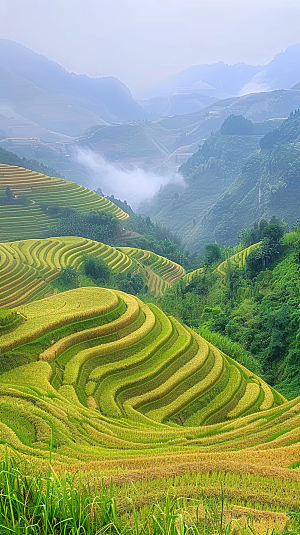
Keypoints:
(10, 158)
(99, 226)
(95, 271)
(288, 132)
(7, 317)
(261, 230)
(256, 307)
(10, 199)
(237, 125)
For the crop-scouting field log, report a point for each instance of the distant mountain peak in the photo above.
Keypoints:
(95, 99)
(221, 80)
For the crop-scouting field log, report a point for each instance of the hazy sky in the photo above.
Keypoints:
(140, 41)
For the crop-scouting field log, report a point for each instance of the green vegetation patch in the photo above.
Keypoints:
(9, 320)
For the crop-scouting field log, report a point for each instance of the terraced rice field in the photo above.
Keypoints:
(39, 189)
(190, 276)
(161, 271)
(27, 267)
(107, 376)
(238, 260)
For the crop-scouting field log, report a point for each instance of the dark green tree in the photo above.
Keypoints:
(97, 269)
(212, 253)
(68, 278)
(9, 194)
(237, 125)
(131, 283)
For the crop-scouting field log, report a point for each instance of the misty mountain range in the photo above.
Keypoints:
(222, 81)
(43, 93)
(39, 98)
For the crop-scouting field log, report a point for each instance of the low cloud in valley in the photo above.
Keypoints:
(134, 186)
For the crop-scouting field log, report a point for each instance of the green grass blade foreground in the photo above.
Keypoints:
(35, 504)
(44, 505)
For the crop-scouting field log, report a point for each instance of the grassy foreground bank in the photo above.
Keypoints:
(88, 504)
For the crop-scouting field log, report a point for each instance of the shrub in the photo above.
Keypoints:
(69, 277)
(132, 284)
(97, 269)
(7, 316)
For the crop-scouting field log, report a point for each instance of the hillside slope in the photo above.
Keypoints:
(268, 184)
(176, 104)
(247, 304)
(208, 173)
(28, 267)
(255, 106)
(21, 214)
(140, 139)
(231, 182)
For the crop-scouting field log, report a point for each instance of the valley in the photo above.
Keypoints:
(149, 350)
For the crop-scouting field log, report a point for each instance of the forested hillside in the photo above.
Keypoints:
(207, 175)
(248, 305)
(268, 184)
(9, 158)
(233, 180)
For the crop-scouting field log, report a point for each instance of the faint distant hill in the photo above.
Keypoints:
(283, 72)
(45, 94)
(177, 104)
(218, 80)
(162, 144)
(221, 80)
(255, 106)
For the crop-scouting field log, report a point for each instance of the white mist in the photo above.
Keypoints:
(134, 185)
